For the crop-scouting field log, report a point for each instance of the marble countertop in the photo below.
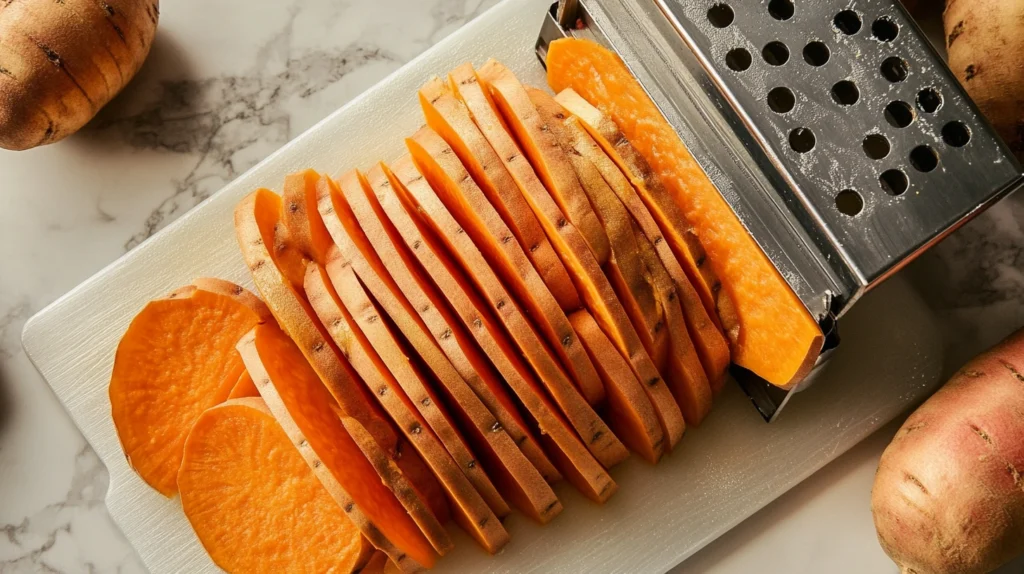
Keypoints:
(226, 85)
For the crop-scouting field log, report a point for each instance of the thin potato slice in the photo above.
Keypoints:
(311, 418)
(463, 199)
(506, 95)
(449, 117)
(300, 215)
(567, 451)
(244, 385)
(237, 453)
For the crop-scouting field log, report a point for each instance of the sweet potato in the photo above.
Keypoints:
(449, 117)
(244, 385)
(300, 215)
(463, 199)
(176, 359)
(421, 202)
(311, 417)
(60, 62)
(509, 98)
(773, 335)
(567, 451)
(422, 316)
(236, 454)
(664, 226)
(948, 495)
(267, 250)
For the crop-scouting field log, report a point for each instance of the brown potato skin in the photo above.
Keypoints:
(948, 496)
(985, 39)
(60, 62)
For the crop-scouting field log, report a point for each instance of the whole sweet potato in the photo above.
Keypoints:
(949, 495)
(61, 61)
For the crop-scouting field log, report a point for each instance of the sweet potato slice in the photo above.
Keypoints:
(420, 200)
(449, 117)
(463, 199)
(300, 215)
(567, 451)
(244, 386)
(774, 336)
(630, 412)
(509, 98)
(176, 359)
(377, 564)
(361, 330)
(238, 293)
(273, 261)
(518, 478)
(663, 224)
(311, 417)
(235, 454)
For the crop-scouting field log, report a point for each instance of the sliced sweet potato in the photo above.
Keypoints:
(630, 413)
(664, 225)
(509, 98)
(359, 326)
(449, 117)
(237, 453)
(420, 200)
(518, 478)
(377, 564)
(244, 386)
(774, 336)
(258, 226)
(311, 418)
(176, 360)
(238, 293)
(300, 215)
(463, 199)
(567, 451)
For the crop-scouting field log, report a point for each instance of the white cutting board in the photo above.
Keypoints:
(890, 359)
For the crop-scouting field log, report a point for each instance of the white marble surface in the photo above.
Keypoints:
(226, 84)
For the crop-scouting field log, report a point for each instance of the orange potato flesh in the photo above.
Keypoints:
(237, 453)
(773, 335)
(463, 199)
(567, 451)
(244, 386)
(300, 215)
(421, 202)
(311, 418)
(257, 226)
(175, 360)
(506, 95)
(662, 222)
(447, 116)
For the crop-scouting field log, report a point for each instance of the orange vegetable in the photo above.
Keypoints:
(773, 335)
(463, 199)
(176, 360)
(420, 201)
(567, 451)
(300, 215)
(507, 95)
(450, 119)
(311, 417)
(244, 385)
(236, 454)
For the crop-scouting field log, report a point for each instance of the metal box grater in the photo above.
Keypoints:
(835, 132)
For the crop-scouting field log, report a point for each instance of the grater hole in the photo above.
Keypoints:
(801, 140)
(876, 146)
(899, 114)
(849, 202)
(775, 53)
(721, 15)
(895, 69)
(894, 182)
(738, 59)
(924, 158)
(781, 9)
(885, 30)
(781, 100)
(848, 22)
(845, 93)
(816, 54)
(956, 134)
(929, 100)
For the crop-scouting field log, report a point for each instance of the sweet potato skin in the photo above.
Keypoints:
(949, 494)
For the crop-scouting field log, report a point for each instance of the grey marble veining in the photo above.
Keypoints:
(226, 85)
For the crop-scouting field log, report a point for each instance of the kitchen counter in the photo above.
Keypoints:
(225, 85)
